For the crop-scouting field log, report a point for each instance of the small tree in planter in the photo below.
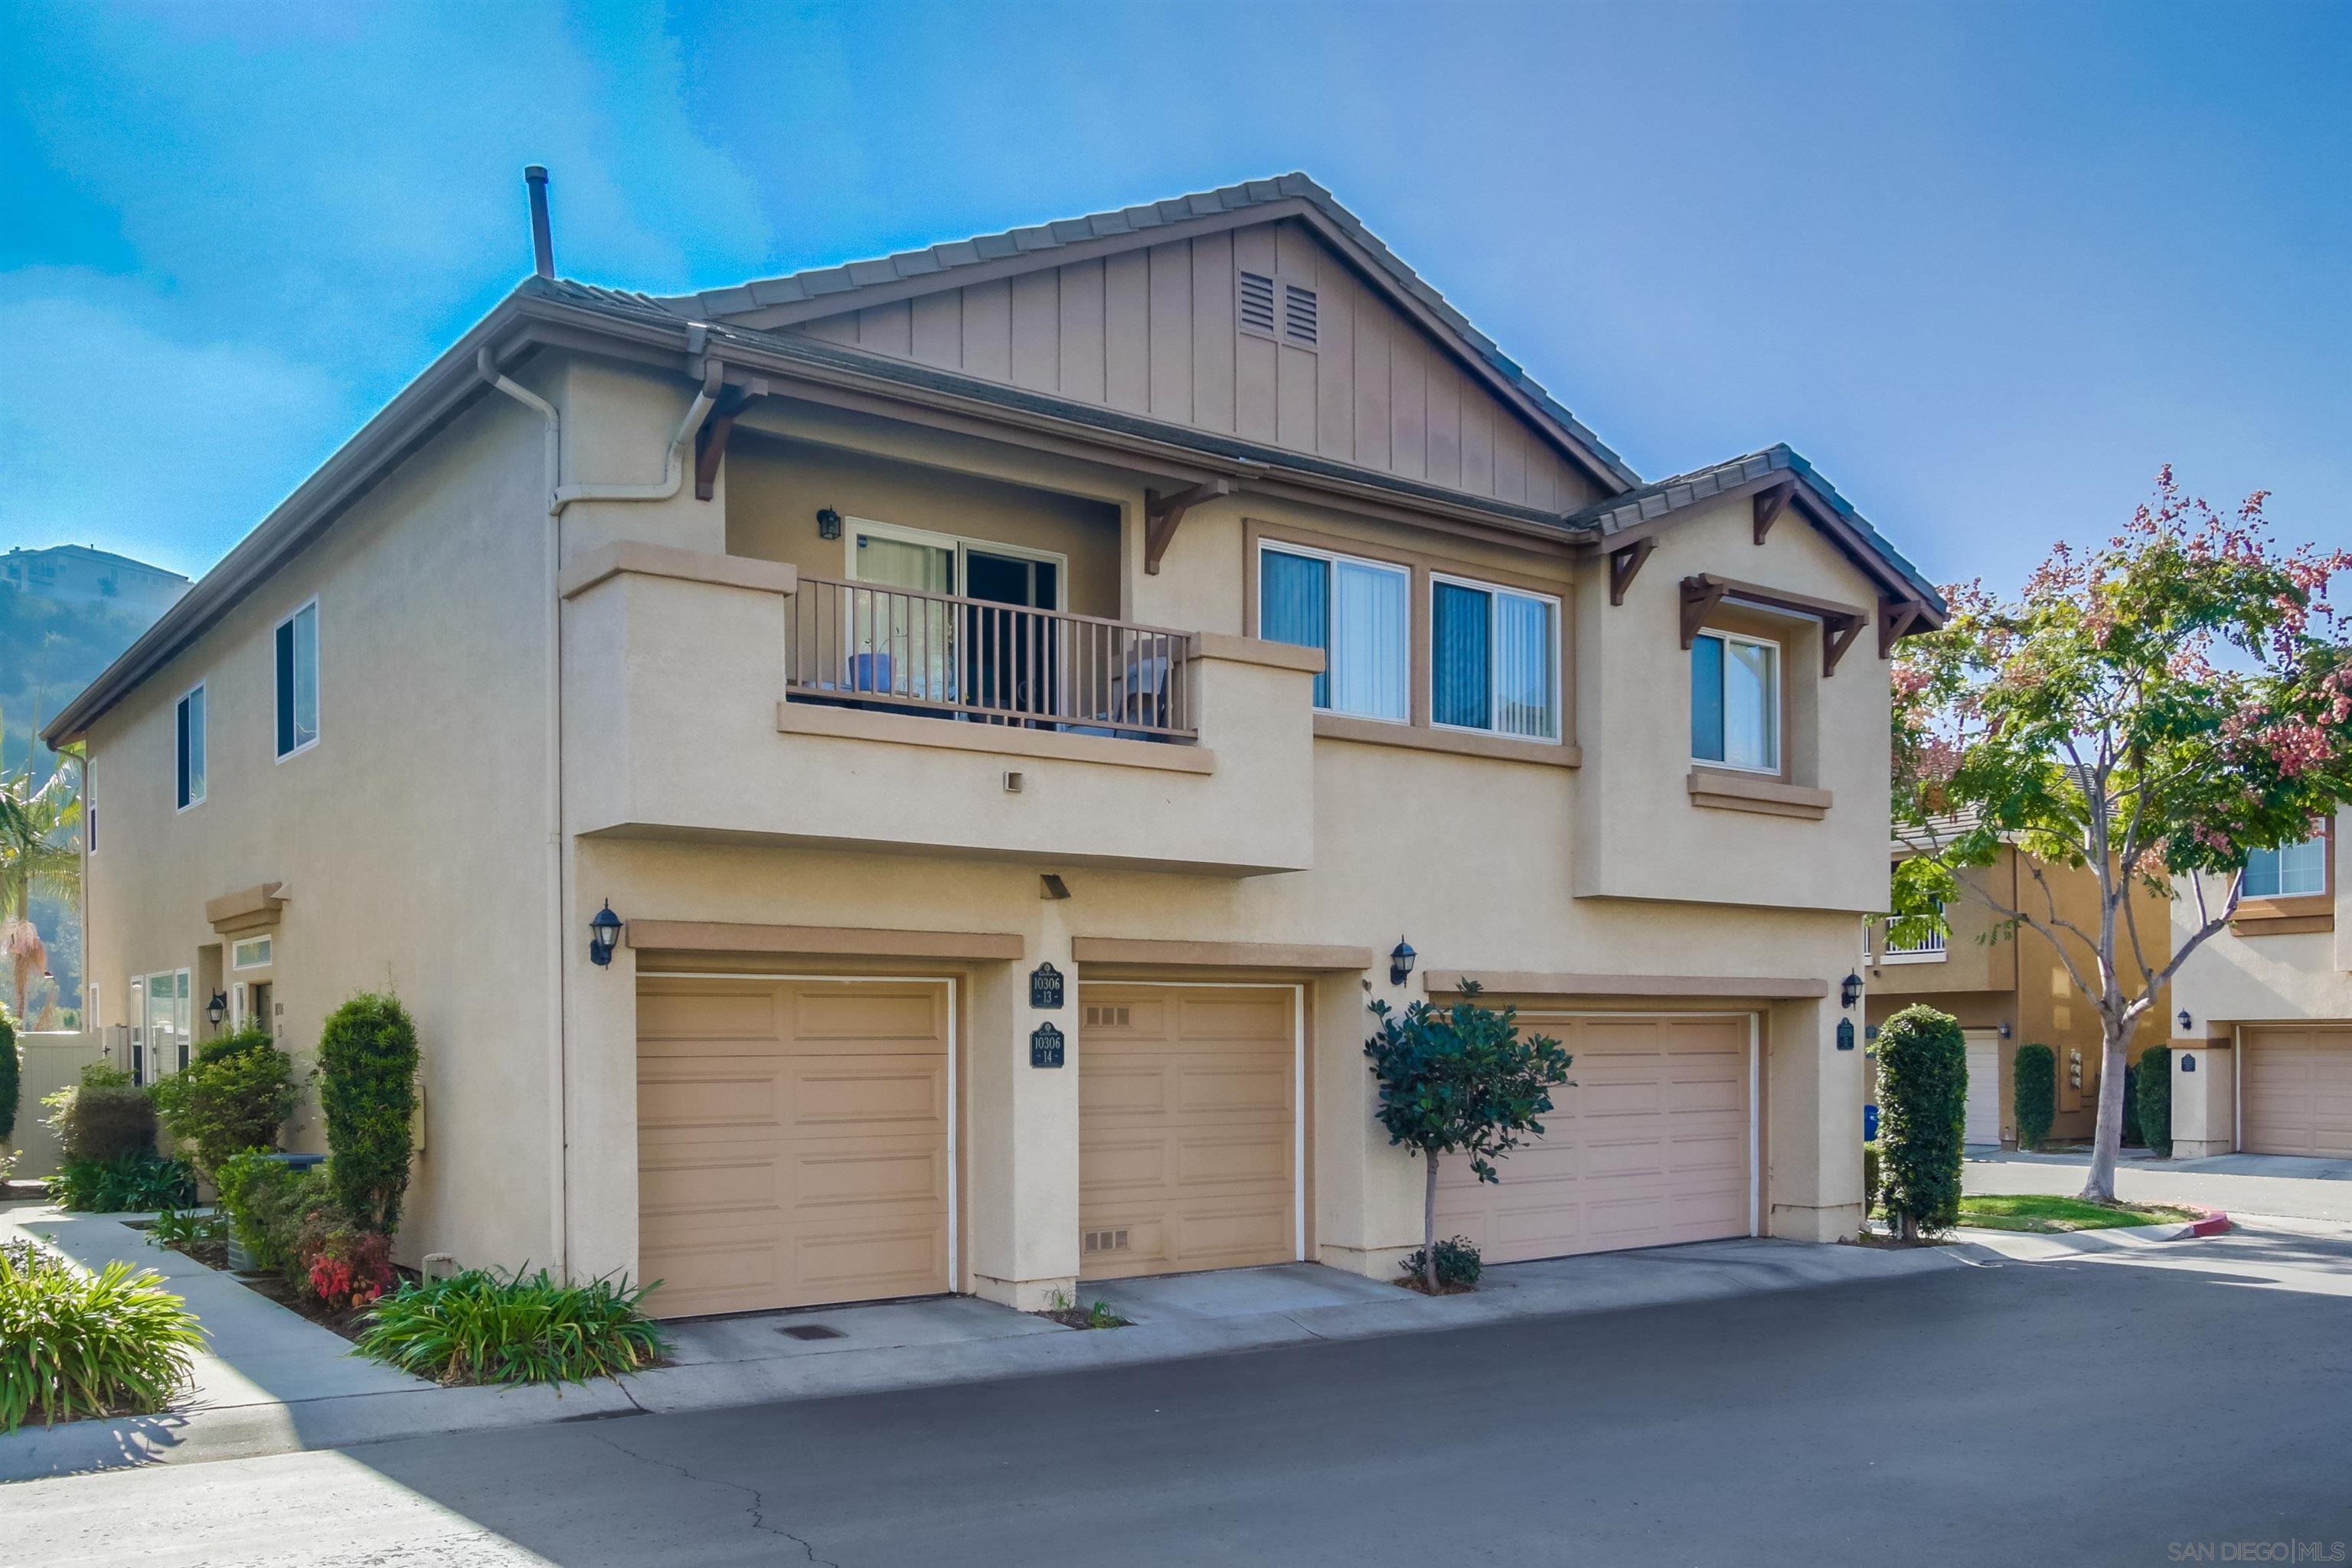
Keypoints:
(2152, 1100)
(2036, 1095)
(1460, 1081)
(367, 1072)
(1923, 1095)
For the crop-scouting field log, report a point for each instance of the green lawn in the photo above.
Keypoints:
(2035, 1211)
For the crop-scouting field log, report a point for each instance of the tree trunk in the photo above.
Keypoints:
(2099, 1186)
(1428, 1228)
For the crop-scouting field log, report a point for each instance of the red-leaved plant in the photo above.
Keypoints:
(345, 1265)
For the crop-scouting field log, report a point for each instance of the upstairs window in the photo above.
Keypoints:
(1494, 659)
(188, 744)
(1735, 702)
(2288, 871)
(1355, 611)
(298, 681)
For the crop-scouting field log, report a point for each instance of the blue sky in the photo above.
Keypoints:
(1987, 265)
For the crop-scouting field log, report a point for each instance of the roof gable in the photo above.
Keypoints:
(1165, 273)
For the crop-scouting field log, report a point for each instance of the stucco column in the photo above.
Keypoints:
(1813, 1122)
(2204, 1098)
(1367, 1191)
(1024, 1130)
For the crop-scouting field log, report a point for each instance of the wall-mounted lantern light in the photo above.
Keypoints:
(217, 1008)
(1850, 989)
(1400, 959)
(603, 930)
(828, 524)
(2004, 1031)
(2185, 1020)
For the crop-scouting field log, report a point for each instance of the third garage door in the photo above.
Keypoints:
(1188, 1128)
(2296, 1092)
(1652, 1145)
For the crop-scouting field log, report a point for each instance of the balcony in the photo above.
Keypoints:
(724, 700)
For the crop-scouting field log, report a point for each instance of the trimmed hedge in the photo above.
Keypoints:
(2151, 1104)
(235, 1095)
(1923, 1091)
(367, 1073)
(12, 1080)
(2034, 1098)
(104, 1117)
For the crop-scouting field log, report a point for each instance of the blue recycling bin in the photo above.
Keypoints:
(1870, 1124)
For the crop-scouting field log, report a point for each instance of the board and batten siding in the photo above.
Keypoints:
(1155, 331)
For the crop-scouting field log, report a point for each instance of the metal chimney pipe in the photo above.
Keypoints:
(542, 240)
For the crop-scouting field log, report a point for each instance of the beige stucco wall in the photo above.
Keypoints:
(2236, 979)
(413, 843)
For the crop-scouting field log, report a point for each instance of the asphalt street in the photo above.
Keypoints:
(2106, 1410)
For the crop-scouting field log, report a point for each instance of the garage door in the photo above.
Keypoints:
(1188, 1128)
(792, 1141)
(1982, 1118)
(2296, 1091)
(1651, 1145)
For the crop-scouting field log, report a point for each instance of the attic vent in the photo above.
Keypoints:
(1257, 303)
(1106, 1018)
(1298, 314)
(1106, 1241)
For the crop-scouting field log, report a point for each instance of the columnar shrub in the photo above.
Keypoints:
(367, 1069)
(235, 1095)
(2036, 1095)
(1923, 1091)
(2152, 1100)
(11, 1077)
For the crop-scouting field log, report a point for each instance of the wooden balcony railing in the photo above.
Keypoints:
(864, 644)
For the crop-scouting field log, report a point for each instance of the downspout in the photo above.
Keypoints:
(559, 497)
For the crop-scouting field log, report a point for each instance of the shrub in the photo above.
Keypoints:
(187, 1227)
(342, 1264)
(267, 1200)
(1458, 1264)
(129, 1184)
(1460, 1081)
(1870, 1179)
(367, 1068)
(2151, 1104)
(12, 1082)
(104, 1117)
(476, 1327)
(1923, 1091)
(2131, 1137)
(73, 1343)
(2035, 1097)
(235, 1095)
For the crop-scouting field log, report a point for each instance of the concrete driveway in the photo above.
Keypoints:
(2112, 1409)
(2276, 1185)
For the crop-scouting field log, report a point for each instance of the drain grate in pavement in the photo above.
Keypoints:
(809, 1331)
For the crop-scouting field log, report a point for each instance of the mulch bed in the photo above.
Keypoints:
(1083, 1318)
(1415, 1283)
(348, 1323)
(1885, 1243)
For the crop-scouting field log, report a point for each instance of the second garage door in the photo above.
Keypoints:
(792, 1141)
(1188, 1128)
(1651, 1145)
(2296, 1091)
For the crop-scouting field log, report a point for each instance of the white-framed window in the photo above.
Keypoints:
(297, 681)
(2289, 870)
(188, 749)
(164, 1044)
(1355, 610)
(1494, 659)
(1735, 702)
(253, 952)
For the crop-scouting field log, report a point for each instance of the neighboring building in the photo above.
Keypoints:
(1185, 598)
(78, 574)
(2009, 991)
(2262, 1055)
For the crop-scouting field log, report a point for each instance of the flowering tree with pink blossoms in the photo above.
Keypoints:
(2154, 710)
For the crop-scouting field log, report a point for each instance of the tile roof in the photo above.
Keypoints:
(1672, 494)
(815, 283)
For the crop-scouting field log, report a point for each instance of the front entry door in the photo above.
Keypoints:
(1012, 656)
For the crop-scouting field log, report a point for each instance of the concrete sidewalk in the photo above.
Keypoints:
(331, 1400)
(2278, 1185)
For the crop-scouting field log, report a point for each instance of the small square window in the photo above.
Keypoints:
(1735, 702)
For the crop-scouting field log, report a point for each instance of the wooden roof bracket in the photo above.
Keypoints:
(1896, 619)
(1700, 596)
(710, 441)
(1769, 505)
(1161, 514)
(1624, 566)
(1837, 635)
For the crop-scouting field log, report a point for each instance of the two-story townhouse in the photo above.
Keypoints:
(2262, 1057)
(1018, 701)
(2011, 988)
